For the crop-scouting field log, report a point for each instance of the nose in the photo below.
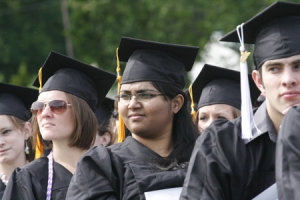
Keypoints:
(133, 102)
(288, 77)
(46, 111)
(2, 142)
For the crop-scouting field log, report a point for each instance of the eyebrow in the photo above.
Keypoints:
(5, 128)
(296, 61)
(140, 91)
(275, 63)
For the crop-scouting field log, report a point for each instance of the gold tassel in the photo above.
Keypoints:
(39, 150)
(121, 129)
(40, 79)
(193, 112)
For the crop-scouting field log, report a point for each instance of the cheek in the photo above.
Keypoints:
(122, 109)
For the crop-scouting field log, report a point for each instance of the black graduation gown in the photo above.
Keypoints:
(30, 182)
(121, 171)
(288, 156)
(2, 188)
(222, 166)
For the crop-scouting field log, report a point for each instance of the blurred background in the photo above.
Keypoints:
(90, 30)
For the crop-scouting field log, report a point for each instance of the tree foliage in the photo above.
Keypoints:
(30, 29)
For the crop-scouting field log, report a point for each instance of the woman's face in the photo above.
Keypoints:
(150, 119)
(207, 114)
(55, 126)
(12, 141)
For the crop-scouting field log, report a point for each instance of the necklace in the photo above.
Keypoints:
(3, 178)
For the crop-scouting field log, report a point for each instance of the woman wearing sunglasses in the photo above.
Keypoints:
(63, 116)
(16, 149)
(154, 109)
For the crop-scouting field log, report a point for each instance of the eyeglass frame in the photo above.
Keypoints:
(35, 112)
(118, 97)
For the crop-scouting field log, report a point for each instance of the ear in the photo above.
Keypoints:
(27, 130)
(105, 139)
(257, 78)
(177, 103)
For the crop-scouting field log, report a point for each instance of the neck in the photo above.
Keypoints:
(67, 156)
(8, 168)
(276, 117)
(163, 145)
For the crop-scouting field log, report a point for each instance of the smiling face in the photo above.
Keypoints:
(280, 84)
(12, 141)
(207, 114)
(149, 119)
(54, 126)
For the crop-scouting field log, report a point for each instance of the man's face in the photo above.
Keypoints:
(279, 82)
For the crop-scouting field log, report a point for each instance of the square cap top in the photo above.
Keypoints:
(89, 83)
(155, 61)
(16, 100)
(274, 31)
(217, 85)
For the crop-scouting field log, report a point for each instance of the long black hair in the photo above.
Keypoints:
(184, 130)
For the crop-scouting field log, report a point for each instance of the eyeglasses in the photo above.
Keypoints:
(140, 97)
(56, 106)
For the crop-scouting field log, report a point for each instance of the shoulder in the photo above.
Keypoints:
(36, 165)
(222, 129)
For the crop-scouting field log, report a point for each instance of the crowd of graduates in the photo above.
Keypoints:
(67, 140)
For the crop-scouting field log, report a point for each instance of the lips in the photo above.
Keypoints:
(3, 150)
(47, 125)
(290, 94)
(135, 116)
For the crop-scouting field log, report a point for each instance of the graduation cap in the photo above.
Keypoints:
(155, 61)
(274, 31)
(217, 85)
(16, 100)
(104, 110)
(62, 73)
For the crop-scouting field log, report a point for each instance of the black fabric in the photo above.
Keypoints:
(222, 166)
(288, 156)
(274, 31)
(217, 85)
(30, 182)
(16, 100)
(123, 171)
(2, 188)
(155, 61)
(104, 110)
(62, 73)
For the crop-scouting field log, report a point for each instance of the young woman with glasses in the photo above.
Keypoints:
(16, 149)
(63, 115)
(153, 106)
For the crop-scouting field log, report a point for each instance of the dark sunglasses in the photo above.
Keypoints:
(56, 106)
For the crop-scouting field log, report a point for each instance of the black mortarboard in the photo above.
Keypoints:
(104, 110)
(274, 31)
(89, 83)
(216, 85)
(154, 61)
(16, 100)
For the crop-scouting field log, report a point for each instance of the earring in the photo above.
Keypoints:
(26, 148)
